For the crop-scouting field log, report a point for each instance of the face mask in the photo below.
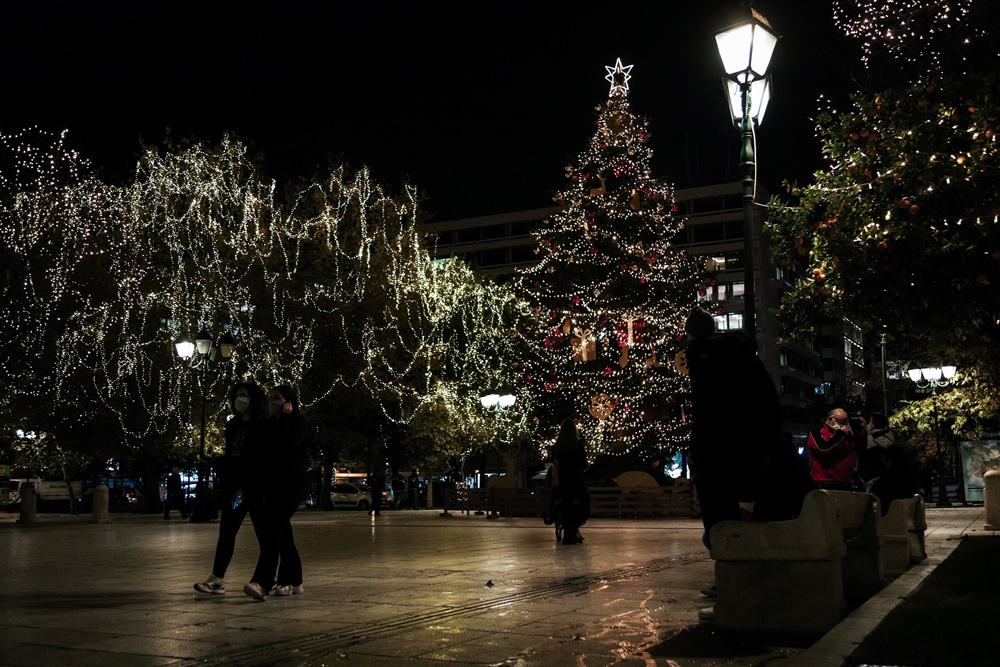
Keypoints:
(242, 404)
(276, 405)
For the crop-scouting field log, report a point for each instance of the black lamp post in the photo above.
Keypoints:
(209, 351)
(497, 403)
(746, 50)
(937, 377)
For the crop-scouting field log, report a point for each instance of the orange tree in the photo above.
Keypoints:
(901, 231)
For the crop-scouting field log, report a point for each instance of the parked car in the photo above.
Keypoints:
(351, 496)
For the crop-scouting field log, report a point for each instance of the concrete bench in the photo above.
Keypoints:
(859, 517)
(798, 575)
(902, 530)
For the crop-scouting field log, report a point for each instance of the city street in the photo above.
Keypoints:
(407, 588)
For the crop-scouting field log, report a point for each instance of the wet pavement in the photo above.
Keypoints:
(408, 588)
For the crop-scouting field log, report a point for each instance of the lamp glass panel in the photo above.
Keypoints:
(204, 343)
(735, 100)
(914, 374)
(507, 400)
(949, 372)
(931, 373)
(489, 400)
(761, 96)
(734, 47)
(763, 49)
(185, 348)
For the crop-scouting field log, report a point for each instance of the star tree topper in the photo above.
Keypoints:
(619, 76)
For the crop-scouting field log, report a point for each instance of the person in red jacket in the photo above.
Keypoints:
(833, 451)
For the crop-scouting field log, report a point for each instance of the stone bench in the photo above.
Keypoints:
(798, 575)
(902, 530)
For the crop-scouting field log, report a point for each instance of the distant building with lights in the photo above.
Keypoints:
(807, 376)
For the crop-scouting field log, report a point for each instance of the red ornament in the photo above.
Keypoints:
(607, 370)
(576, 300)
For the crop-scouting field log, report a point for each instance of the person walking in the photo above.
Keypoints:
(376, 484)
(833, 451)
(413, 488)
(569, 483)
(175, 495)
(243, 432)
(282, 459)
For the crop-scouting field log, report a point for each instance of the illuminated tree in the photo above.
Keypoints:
(332, 292)
(611, 293)
(901, 230)
(394, 338)
(57, 226)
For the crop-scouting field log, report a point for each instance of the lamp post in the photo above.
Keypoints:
(496, 403)
(933, 378)
(208, 351)
(746, 49)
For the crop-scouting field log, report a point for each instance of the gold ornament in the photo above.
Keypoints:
(681, 363)
(600, 406)
(603, 190)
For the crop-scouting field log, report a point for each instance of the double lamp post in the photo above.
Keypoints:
(933, 378)
(209, 352)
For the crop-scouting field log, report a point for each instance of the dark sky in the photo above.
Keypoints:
(480, 107)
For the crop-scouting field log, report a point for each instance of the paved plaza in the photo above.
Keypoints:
(408, 588)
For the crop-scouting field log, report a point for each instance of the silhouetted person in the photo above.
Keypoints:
(569, 484)
(282, 464)
(736, 419)
(243, 435)
(175, 495)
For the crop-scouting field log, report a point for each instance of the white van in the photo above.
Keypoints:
(51, 495)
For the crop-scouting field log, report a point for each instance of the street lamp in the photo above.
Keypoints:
(746, 49)
(496, 403)
(933, 378)
(209, 351)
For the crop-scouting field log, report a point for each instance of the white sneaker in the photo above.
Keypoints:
(254, 590)
(211, 585)
(288, 589)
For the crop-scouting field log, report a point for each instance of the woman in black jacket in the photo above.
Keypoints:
(281, 480)
(569, 485)
(243, 430)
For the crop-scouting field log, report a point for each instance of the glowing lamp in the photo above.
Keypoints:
(184, 346)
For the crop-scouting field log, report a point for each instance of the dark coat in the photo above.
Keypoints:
(277, 469)
(736, 409)
(242, 441)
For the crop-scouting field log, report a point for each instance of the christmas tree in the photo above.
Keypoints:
(610, 294)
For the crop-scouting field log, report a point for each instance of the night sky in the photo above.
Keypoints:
(481, 108)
